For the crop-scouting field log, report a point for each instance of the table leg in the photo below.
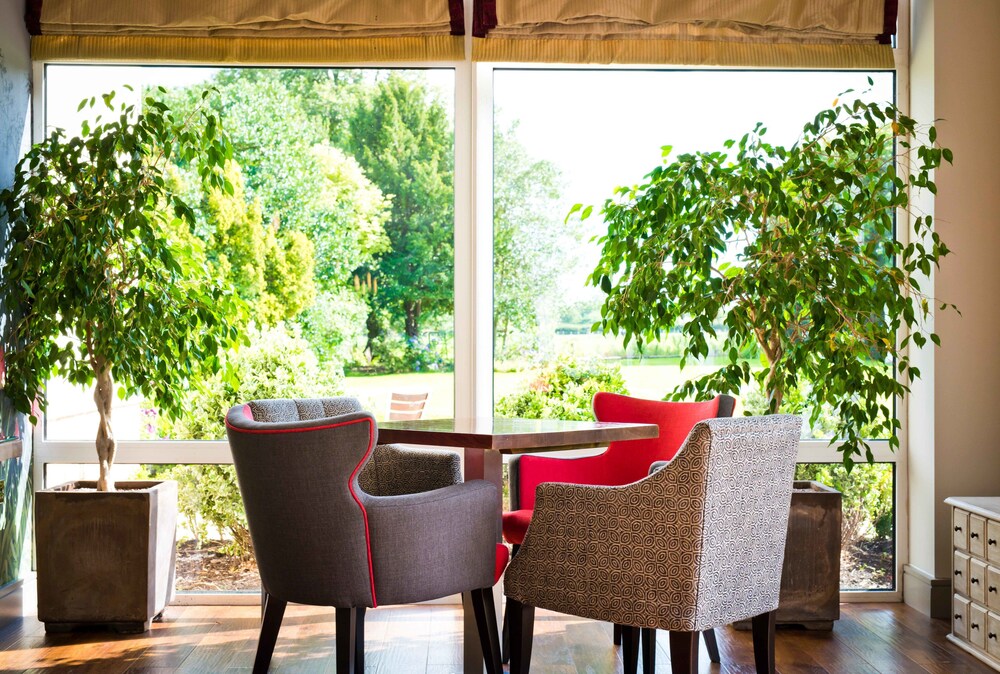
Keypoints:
(480, 464)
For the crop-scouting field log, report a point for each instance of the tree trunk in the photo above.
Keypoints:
(412, 327)
(374, 328)
(774, 394)
(106, 445)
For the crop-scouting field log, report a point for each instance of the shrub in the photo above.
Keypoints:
(867, 497)
(563, 390)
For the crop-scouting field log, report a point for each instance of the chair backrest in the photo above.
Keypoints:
(629, 461)
(729, 492)
(622, 462)
(297, 463)
(406, 406)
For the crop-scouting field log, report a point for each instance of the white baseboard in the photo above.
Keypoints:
(926, 593)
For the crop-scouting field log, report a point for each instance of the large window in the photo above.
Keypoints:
(339, 234)
(356, 232)
(342, 177)
(565, 137)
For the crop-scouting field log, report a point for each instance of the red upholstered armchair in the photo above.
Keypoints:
(622, 463)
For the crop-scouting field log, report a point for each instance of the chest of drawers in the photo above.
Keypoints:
(975, 624)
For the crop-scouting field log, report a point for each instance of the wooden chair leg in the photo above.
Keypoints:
(763, 642)
(522, 625)
(274, 611)
(616, 634)
(347, 640)
(505, 637)
(505, 630)
(630, 649)
(648, 640)
(683, 652)
(486, 624)
(712, 645)
(359, 640)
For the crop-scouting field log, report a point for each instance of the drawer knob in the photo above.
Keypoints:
(974, 626)
(993, 589)
(974, 535)
(992, 541)
(958, 528)
(958, 616)
(974, 580)
(957, 572)
(993, 635)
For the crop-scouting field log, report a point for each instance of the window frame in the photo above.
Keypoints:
(473, 274)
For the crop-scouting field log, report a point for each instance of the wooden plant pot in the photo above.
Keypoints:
(105, 559)
(810, 575)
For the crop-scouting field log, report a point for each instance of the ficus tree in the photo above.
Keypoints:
(792, 249)
(100, 281)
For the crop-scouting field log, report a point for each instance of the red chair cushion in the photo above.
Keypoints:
(503, 556)
(515, 524)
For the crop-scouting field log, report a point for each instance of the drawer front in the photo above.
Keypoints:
(977, 626)
(960, 573)
(977, 580)
(977, 535)
(993, 541)
(960, 617)
(960, 526)
(993, 587)
(993, 634)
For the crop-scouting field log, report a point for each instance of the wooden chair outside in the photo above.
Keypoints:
(407, 406)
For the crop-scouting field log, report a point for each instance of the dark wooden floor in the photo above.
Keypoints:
(869, 638)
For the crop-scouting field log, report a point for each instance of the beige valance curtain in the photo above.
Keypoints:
(247, 31)
(764, 33)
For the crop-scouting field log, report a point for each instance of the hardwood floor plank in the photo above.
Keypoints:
(869, 639)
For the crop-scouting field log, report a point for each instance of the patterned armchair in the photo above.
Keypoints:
(337, 521)
(694, 546)
(621, 463)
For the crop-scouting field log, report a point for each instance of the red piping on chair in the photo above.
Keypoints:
(350, 484)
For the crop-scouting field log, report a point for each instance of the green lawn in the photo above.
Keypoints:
(645, 381)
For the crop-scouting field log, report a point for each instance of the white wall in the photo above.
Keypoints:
(15, 78)
(15, 123)
(954, 430)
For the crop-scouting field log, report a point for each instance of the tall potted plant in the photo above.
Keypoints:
(104, 285)
(794, 250)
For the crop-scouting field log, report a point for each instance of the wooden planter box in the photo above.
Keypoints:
(105, 558)
(810, 576)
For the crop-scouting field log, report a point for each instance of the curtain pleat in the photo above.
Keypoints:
(247, 31)
(761, 33)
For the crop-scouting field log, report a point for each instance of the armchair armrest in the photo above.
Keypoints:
(393, 471)
(433, 543)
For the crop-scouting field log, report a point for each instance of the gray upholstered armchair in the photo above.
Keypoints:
(697, 545)
(331, 526)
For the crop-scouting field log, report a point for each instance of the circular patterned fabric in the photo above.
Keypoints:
(696, 545)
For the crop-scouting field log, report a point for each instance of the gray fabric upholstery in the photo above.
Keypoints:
(393, 471)
(696, 545)
(285, 409)
(307, 529)
(435, 543)
(311, 522)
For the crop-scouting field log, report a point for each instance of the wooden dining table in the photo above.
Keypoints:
(484, 441)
